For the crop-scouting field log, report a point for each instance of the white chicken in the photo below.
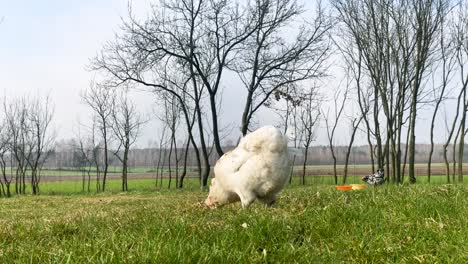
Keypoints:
(258, 168)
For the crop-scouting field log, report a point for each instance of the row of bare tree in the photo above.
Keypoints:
(185, 50)
(26, 141)
(394, 58)
(115, 126)
(389, 59)
(404, 56)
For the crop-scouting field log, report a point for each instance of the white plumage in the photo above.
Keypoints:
(256, 169)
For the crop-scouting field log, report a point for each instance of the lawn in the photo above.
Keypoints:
(357, 169)
(312, 224)
(114, 186)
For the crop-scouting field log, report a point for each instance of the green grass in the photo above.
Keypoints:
(112, 186)
(144, 185)
(313, 224)
(116, 170)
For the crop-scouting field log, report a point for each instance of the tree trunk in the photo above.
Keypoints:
(335, 175)
(158, 165)
(17, 182)
(89, 180)
(245, 115)
(387, 158)
(184, 170)
(348, 151)
(214, 117)
(449, 137)
(461, 147)
(291, 173)
(304, 164)
(23, 176)
(83, 179)
(169, 161)
(194, 145)
(377, 129)
(161, 173)
(176, 163)
(125, 167)
(412, 139)
(454, 159)
(106, 160)
(431, 151)
(206, 161)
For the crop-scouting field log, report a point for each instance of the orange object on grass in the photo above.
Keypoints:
(344, 187)
(358, 186)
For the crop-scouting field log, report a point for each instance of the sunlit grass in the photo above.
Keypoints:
(112, 186)
(397, 224)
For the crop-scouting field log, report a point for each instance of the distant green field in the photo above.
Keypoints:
(421, 169)
(312, 224)
(114, 186)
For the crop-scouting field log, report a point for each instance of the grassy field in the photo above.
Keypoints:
(314, 224)
(113, 186)
(76, 187)
(357, 169)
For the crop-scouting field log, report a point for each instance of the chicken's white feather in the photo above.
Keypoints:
(257, 168)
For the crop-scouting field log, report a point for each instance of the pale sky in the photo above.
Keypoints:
(46, 45)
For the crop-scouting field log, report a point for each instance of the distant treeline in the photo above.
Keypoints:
(318, 155)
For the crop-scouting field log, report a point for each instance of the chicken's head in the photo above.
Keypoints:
(218, 196)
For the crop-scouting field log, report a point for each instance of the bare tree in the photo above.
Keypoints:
(83, 151)
(16, 113)
(395, 44)
(202, 39)
(450, 131)
(152, 49)
(30, 139)
(126, 124)
(171, 121)
(100, 99)
(179, 80)
(268, 62)
(428, 16)
(95, 147)
(355, 122)
(199, 35)
(186, 153)
(331, 127)
(309, 114)
(461, 39)
(354, 63)
(439, 92)
(4, 152)
(40, 118)
(459, 29)
(160, 156)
